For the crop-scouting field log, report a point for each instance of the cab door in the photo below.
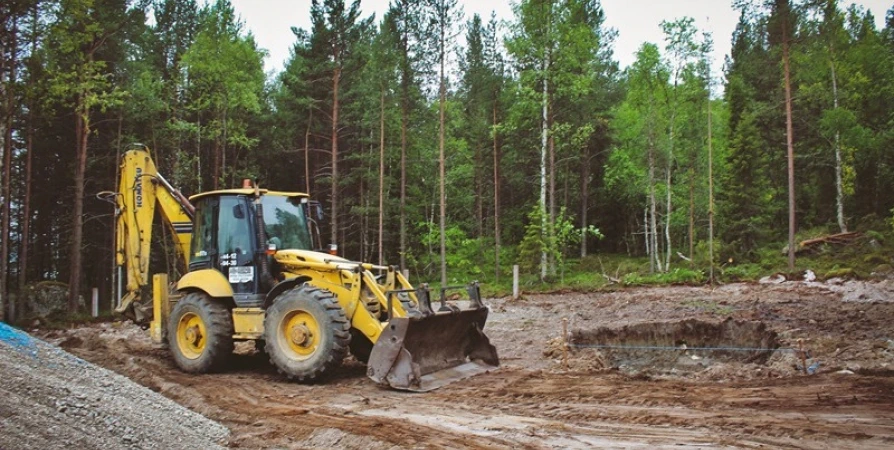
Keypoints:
(236, 245)
(223, 239)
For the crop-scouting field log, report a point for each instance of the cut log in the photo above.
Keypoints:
(834, 239)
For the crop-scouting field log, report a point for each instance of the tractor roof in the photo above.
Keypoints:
(248, 191)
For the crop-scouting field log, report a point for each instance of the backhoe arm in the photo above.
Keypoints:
(141, 189)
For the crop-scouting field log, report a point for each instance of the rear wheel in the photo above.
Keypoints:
(306, 332)
(200, 334)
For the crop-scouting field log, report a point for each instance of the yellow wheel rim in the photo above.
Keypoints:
(301, 333)
(191, 335)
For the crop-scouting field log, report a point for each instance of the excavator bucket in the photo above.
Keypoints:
(433, 349)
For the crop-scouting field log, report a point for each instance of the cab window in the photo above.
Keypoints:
(234, 233)
(202, 246)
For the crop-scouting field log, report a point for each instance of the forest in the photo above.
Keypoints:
(526, 145)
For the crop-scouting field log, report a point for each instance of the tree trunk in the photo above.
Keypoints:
(199, 152)
(364, 203)
(839, 188)
(552, 199)
(82, 132)
(710, 180)
(5, 302)
(544, 136)
(496, 199)
(26, 203)
(404, 124)
(584, 200)
(441, 142)
(710, 189)
(667, 217)
(647, 235)
(668, 181)
(310, 116)
(691, 213)
(114, 219)
(654, 258)
(223, 153)
(333, 219)
(382, 178)
(789, 142)
(215, 181)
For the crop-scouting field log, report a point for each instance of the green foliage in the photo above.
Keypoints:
(191, 86)
(843, 272)
(555, 242)
(464, 255)
(742, 272)
(531, 246)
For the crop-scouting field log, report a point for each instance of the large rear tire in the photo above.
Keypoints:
(200, 334)
(307, 333)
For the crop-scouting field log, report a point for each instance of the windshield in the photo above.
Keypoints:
(285, 223)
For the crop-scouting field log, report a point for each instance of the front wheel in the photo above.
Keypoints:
(200, 334)
(306, 333)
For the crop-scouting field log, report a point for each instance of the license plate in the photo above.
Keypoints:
(242, 274)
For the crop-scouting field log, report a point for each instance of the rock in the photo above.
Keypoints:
(47, 298)
(773, 279)
(809, 276)
(844, 372)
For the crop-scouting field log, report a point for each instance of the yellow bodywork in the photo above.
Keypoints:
(344, 278)
(160, 303)
(418, 352)
(248, 323)
(141, 189)
(247, 192)
(211, 281)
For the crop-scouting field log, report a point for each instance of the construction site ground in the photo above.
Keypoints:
(656, 391)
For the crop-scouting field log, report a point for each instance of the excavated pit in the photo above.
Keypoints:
(686, 345)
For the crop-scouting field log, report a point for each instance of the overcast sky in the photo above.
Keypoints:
(636, 21)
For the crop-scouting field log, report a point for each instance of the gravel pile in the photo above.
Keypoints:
(51, 399)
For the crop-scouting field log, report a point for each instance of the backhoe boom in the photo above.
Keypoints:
(141, 189)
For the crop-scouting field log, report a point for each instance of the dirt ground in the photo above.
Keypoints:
(680, 395)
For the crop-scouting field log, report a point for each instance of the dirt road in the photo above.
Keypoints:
(606, 398)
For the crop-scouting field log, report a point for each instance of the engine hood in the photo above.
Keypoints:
(298, 256)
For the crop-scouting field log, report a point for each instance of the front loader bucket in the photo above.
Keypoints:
(424, 353)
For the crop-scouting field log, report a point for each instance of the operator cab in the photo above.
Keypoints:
(226, 235)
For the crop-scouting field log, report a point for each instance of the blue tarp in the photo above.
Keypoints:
(17, 339)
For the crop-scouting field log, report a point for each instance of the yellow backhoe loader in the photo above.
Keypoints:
(254, 270)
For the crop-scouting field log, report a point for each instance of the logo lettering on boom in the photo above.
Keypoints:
(138, 187)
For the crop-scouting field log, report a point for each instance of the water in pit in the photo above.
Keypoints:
(679, 346)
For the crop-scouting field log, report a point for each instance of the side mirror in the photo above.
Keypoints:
(238, 212)
(319, 212)
(315, 210)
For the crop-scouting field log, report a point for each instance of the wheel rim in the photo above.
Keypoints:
(191, 335)
(301, 333)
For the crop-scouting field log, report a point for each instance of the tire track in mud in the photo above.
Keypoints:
(530, 404)
(783, 414)
(522, 409)
(264, 410)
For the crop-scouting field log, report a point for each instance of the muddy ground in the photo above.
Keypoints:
(684, 394)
